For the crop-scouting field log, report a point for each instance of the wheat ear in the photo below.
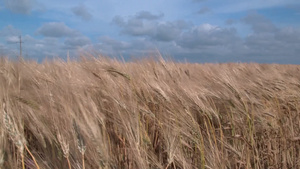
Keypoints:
(14, 134)
(80, 142)
(17, 138)
(65, 147)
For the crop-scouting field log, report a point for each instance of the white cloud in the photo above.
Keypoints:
(12, 39)
(206, 27)
(39, 45)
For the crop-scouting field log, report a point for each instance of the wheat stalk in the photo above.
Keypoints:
(14, 134)
(17, 138)
(80, 142)
(65, 147)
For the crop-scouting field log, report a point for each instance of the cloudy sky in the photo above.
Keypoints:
(188, 30)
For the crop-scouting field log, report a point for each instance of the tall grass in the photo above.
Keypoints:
(103, 113)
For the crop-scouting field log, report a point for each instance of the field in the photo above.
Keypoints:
(148, 114)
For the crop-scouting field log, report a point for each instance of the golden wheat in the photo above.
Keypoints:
(103, 113)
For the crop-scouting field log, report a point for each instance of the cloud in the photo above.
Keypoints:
(133, 26)
(118, 20)
(34, 48)
(207, 35)
(259, 23)
(204, 10)
(169, 31)
(148, 16)
(166, 32)
(75, 42)
(235, 6)
(281, 44)
(155, 30)
(289, 35)
(19, 6)
(40, 48)
(110, 45)
(50, 47)
(141, 23)
(269, 42)
(82, 12)
(146, 31)
(4, 50)
(113, 47)
(56, 29)
(210, 43)
(9, 30)
(12, 39)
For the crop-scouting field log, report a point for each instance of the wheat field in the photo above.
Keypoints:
(101, 113)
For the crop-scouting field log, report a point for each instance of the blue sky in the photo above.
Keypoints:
(187, 30)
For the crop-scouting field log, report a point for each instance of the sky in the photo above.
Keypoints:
(202, 31)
